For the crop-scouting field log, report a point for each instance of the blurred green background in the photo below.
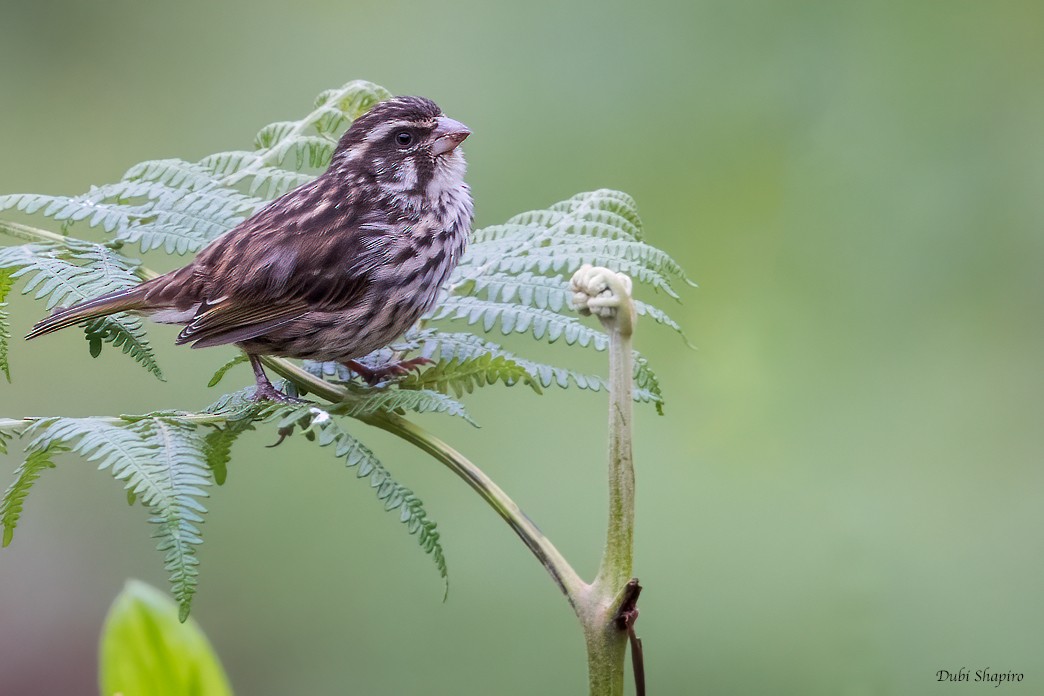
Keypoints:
(845, 495)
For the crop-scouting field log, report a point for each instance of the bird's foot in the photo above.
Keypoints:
(266, 392)
(373, 375)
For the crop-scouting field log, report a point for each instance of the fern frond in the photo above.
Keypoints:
(599, 227)
(307, 142)
(180, 206)
(374, 401)
(180, 217)
(221, 371)
(6, 283)
(511, 256)
(25, 476)
(182, 222)
(233, 405)
(74, 271)
(460, 376)
(326, 431)
(590, 203)
(447, 345)
(547, 292)
(218, 442)
(161, 461)
(514, 318)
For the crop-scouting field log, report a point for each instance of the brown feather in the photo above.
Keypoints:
(103, 305)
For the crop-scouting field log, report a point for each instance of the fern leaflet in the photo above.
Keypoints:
(74, 271)
(160, 459)
(218, 442)
(6, 283)
(326, 431)
(461, 376)
(25, 476)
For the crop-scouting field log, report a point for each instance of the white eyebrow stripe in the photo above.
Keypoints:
(385, 128)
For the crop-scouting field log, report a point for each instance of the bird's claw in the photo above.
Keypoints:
(266, 392)
(374, 375)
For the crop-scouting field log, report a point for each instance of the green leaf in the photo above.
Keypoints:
(325, 430)
(6, 283)
(218, 443)
(25, 476)
(459, 376)
(373, 401)
(432, 343)
(161, 459)
(73, 271)
(145, 649)
(180, 206)
(542, 324)
(220, 374)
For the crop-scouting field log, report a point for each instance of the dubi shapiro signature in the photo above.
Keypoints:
(980, 675)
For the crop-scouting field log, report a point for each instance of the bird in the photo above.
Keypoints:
(331, 270)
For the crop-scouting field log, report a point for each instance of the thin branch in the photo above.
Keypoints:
(30, 234)
(17, 425)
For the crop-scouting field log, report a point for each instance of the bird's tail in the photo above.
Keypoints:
(103, 305)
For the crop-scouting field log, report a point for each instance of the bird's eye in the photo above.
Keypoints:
(403, 138)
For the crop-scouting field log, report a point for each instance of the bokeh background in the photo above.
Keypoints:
(845, 493)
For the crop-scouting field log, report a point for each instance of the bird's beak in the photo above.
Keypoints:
(448, 135)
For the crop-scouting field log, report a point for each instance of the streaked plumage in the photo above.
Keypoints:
(335, 268)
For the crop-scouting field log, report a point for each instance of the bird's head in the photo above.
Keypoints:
(406, 144)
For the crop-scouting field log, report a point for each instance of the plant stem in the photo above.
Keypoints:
(617, 558)
(17, 425)
(30, 234)
(608, 295)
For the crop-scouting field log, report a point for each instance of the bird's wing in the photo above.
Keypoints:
(276, 267)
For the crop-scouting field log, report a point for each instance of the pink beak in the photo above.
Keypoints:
(448, 135)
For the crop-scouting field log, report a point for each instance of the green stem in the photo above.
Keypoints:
(30, 234)
(617, 558)
(606, 643)
(17, 425)
(608, 294)
(303, 378)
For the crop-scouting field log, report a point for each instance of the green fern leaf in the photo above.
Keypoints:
(460, 376)
(221, 371)
(74, 271)
(374, 401)
(181, 206)
(307, 142)
(447, 345)
(218, 442)
(25, 476)
(512, 318)
(161, 461)
(599, 227)
(325, 430)
(6, 283)
(547, 292)
(234, 405)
